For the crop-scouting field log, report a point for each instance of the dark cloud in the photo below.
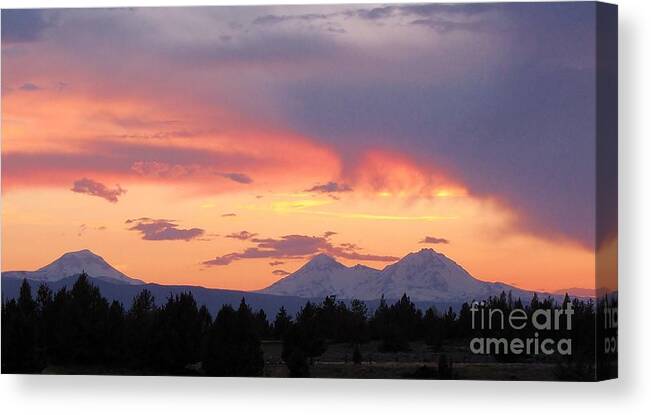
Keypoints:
(346, 253)
(329, 234)
(93, 188)
(322, 22)
(471, 9)
(296, 247)
(228, 215)
(23, 25)
(272, 19)
(136, 122)
(515, 122)
(243, 235)
(276, 263)
(237, 177)
(160, 135)
(29, 87)
(330, 187)
(433, 240)
(280, 272)
(152, 161)
(378, 13)
(375, 13)
(163, 230)
(421, 10)
(273, 48)
(522, 137)
(443, 26)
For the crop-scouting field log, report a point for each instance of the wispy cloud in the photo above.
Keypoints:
(29, 87)
(163, 230)
(243, 235)
(93, 188)
(83, 228)
(272, 19)
(297, 247)
(330, 187)
(23, 25)
(237, 177)
(433, 240)
(280, 272)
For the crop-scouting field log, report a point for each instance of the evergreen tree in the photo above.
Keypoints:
(358, 330)
(232, 347)
(357, 355)
(305, 334)
(177, 334)
(139, 330)
(261, 325)
(282, 323)
(20, 351)
(86, 314)
(434, 329)
(116, 340)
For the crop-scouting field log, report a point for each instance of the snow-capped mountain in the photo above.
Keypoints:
(425, 275)
(322, 276)
(74, 263)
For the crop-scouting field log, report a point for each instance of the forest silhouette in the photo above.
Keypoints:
(78, 328)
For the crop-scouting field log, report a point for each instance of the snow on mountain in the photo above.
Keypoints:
(425, 275)
(74, 263)
(322, 276)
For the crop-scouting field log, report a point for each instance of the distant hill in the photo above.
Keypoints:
(577, 292)
(212, 298)
(425, 275)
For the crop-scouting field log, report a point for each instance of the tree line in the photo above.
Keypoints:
(78, 327)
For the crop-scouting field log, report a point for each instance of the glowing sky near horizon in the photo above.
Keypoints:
(225, 146)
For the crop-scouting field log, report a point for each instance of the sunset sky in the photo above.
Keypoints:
(225, 146)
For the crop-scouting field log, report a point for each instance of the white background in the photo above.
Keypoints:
(631, 393)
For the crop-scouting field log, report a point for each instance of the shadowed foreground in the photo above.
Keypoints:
(77, 331)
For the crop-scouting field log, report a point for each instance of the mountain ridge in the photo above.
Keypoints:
(425, 275)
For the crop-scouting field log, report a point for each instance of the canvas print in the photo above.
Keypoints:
(403, 191)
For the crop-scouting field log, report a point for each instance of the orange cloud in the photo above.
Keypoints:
(387, 173)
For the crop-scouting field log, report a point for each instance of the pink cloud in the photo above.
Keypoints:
(163, 230)
(296, 247)
(93, 188)
(243, 235)
(433, 240)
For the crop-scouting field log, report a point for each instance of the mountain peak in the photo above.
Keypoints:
(87, 253)
(425, 275)
(427, 253)
(323, 261)
(76, 259)
(422, 256)
(76, 262)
